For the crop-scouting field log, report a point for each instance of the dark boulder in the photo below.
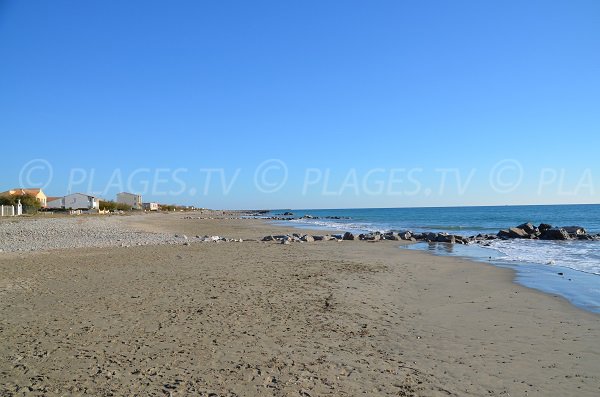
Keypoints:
(504, 234)
(528, 227)
(405, 235)
(517, 232)
(390, 236)
(462, 240)
(445, 238)
(348, 236)
(575, 231)
(429, 237)
(585, 237)
(555, 234)
(370, 237)
(543, 227)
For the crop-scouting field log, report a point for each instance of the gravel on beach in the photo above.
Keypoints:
(77, 232)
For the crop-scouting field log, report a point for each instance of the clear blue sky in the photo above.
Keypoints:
(145, 95)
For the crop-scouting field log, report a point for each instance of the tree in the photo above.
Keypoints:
(107, 205)
(30, 204)
(26, 200)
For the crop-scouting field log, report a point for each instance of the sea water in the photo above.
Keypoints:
(570, 269)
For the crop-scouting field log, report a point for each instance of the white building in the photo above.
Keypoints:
(75, 201)
(133, 200)
(151, 206)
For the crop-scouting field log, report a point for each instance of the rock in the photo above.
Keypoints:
(318, 238)
(445, 238)
(528, 228)
(268, 238)
(543, 227)
(405, 235)
(186, 243)
(288, 214)
(348, 236)
(585, 237)
(418, 236)
(575, 231)
(307, 238)
(391, 236)
(513, 232)
(462, 240)
(431, 237)
(517, 232)
(369, 237)
(555, 234)
(285, 241)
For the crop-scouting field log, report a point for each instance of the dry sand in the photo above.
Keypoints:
(264, 319)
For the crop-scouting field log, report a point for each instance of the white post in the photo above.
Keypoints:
(19, 208)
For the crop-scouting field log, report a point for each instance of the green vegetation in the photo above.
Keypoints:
(112, 206)
(26, 201)
(30, 204)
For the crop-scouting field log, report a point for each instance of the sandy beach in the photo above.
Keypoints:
(259, 318)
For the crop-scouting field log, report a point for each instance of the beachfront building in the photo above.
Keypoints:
(19, 192)
(54, 202)
(131, 199)
(75, 201)
(150, 206)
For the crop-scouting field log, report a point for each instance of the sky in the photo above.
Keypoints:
(313, 104)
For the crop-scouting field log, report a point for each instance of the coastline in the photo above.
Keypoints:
(552, 276)
(318, 318)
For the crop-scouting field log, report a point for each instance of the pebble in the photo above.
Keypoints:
(61, 233)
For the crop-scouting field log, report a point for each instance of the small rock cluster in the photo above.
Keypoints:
(546, 232)
(214, 239)
(348, 236)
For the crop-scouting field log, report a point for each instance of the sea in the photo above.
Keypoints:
(570, 269)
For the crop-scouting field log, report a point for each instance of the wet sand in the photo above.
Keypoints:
(264, 319)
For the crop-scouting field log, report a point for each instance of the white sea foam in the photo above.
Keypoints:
(333, 225)
(578, 255)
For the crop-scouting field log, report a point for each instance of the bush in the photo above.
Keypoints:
(26, 201)
(113, 206)
(107, 205)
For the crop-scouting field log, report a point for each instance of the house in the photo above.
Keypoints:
(54, 202)
(75, 201)
(37, 193)
(151, 206)
(132, 200)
